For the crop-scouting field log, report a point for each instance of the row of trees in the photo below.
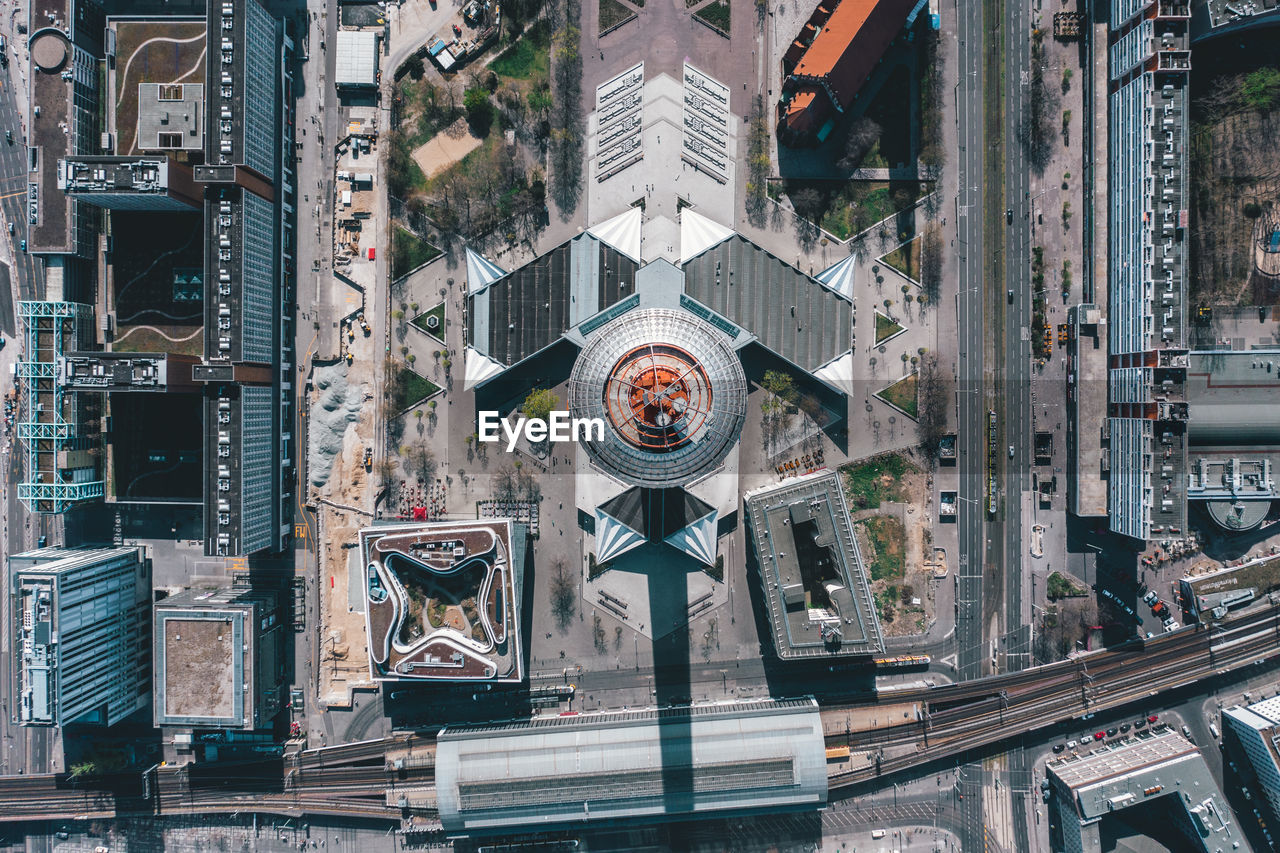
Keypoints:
(566, 130)
(758, 164)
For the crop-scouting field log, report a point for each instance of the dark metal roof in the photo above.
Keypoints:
(789, 312)
(656, 513)
(531, 307)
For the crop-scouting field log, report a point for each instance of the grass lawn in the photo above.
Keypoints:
(903, 395)
(530, 56)
(409, 388)
(421, 322)
(409, 251)
(851, 207)
(716, 14)
(876, 480)
(888, 543)
(906, 258)
(613, 13)
(886, 328)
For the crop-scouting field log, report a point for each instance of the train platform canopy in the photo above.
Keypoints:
(554, 772)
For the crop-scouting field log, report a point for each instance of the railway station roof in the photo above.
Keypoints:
(559, 771)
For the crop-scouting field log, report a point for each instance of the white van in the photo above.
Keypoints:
(878, 833)
(1213, 730)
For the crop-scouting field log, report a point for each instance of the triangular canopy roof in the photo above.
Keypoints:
(622, 232)
(478, 368)
(613, 538)
(840, 276)
(698, 539)
(838, 372)
(698, 233)
(481, 272)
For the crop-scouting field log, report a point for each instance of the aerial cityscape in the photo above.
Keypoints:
(900, 377)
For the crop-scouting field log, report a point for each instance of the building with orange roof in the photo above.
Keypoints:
(834, 54)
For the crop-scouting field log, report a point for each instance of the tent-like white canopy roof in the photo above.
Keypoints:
(698, 540)
(481, 272)
(622, 232)
(478, 368)
(698, 233)
(839, 277)
(613, 538)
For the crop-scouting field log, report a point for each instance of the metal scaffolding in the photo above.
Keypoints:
(60, 470)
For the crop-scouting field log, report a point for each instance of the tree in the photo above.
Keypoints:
(808, 202)
(563, 599)
(931, 261)
(1261, 89)
(387, 470)
(479, 111)
(863, 135)
(539, 404)
(933, 389)
(422, 461)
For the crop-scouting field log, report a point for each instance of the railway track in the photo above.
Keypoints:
(1119, 682)
(352, 779)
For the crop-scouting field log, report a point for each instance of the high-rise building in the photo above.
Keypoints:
(217, 155)
(1150, 62)
(1096, 790)
(1257, 728)
(81, 635)
(249, 245)
(219, 659)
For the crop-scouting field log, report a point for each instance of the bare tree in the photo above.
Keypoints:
(931, 261)
(934, 394)
(563, 599)
(863, 134)
(422, 461)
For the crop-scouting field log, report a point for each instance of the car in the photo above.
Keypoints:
(1153, 718)
(1112, 732)
(1008, 215)
(1010, 296)
(23, 245)
(1124, 727)
(1011, 451)
(8, 136)
(11, 228)
(1071, 744)
(42, 541)
(1057, 747)
(1099, 735)
(1, 341)
(1139, 724)
(1150, 598)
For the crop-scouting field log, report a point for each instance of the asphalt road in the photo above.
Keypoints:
(26, 750)
(1019, 428)
(971, 411)
(971, 420)
(1016, 389)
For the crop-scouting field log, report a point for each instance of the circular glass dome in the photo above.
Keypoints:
(670, 390)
